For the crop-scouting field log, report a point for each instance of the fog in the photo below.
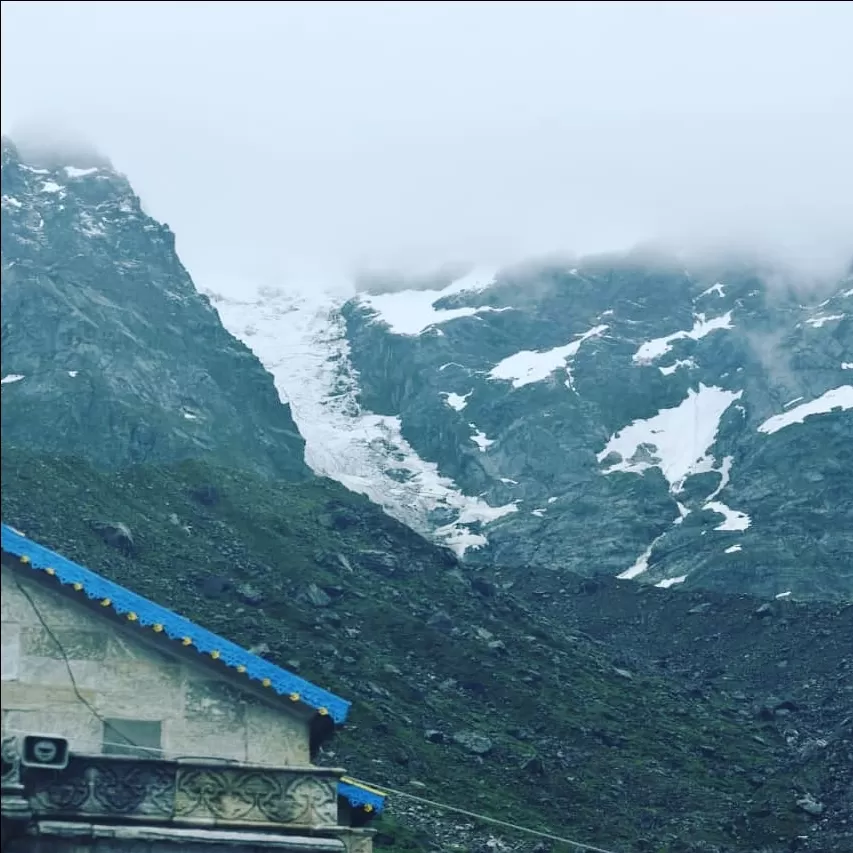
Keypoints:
(298, 142)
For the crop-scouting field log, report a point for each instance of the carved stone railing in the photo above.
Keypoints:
(184, 792)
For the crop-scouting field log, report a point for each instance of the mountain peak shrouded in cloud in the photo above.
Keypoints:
(50, 145)
(334, 138)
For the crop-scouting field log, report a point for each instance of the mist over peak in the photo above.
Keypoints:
(381, 164)
(48, 144)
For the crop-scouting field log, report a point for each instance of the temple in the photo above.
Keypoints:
(128, 727)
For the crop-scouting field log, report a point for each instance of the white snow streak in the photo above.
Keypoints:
(714, 288)
(654, 349)
(675, 440)
(12, 377)
(733, 549)
(410, 312)
(833, 399)
(479, 438)
(457, 401)
(51, 187)
(847, 365)
(74, 172)
(301, 339)
(823, 319)
(642, 563)
(671, 368)
(528, 366)
(733, 519)
(668, 582)
(640, 566)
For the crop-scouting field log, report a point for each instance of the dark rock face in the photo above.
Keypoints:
(648, 438)
(119, 357)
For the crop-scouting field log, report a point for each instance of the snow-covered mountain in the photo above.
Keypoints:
(621, 416)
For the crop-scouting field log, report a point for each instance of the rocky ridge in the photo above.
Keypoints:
(108, 348)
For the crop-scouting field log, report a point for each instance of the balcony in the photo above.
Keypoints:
(196, 793)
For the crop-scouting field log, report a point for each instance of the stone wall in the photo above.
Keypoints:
(61, 837)
(120, 678)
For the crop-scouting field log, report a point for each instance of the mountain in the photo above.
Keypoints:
(618, 416)
(104, 330)
(604, 710)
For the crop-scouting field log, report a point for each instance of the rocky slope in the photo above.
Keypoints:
(635, 718)
(108, 349)
(623, 416)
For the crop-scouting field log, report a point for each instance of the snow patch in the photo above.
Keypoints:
(791, 402)
(51, 187)
(457, 401)
(529, 366)
(73, 373)
(641, 565)
(732, 518)
(300, 338)
(725, 475)
(682, 362)
(847, 365)
(668, 582)
(479, 438)
(733, 549)
(539, 513)
(11, 201)
(785, 594)
(833, 399)
(509, 481)
(674, 440)
(714, 288)
(410, 312)
(12, 377)
(823, 319)
(654, 349)
(74, 172)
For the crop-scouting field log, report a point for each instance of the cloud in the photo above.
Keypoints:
(302, 141)
(47, 141)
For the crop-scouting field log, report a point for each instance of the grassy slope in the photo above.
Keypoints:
(639, 763)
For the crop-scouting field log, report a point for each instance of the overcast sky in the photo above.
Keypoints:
(290, 140)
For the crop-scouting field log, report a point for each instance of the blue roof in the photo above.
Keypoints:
(361, 796)
(147, 614)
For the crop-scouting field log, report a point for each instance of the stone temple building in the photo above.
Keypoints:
(126, 727)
